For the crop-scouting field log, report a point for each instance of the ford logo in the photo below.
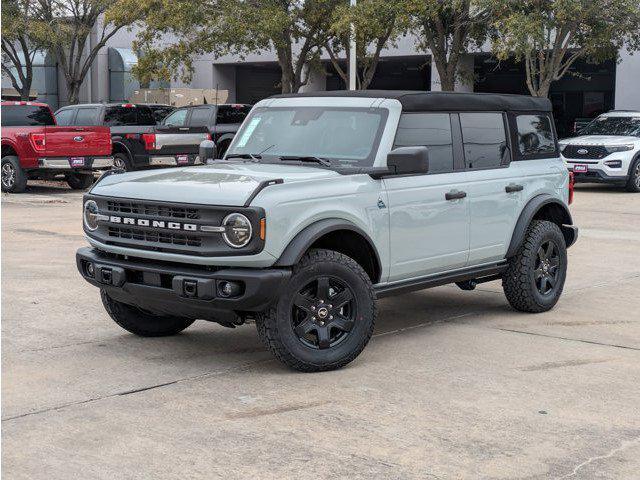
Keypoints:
(78, 138)
(583, 151)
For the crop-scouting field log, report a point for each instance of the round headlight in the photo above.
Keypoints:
(237, 230)
(91, 215)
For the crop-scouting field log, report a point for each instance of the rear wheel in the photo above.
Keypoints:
(633, 184)
(535, 277)
(14, 179)
(80, 181)
(122, 161)
(326, 315)
(142, 323)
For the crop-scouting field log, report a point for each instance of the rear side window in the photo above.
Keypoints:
(65, 117)
(26, 116)
(232, 113)
(535, 135)
(86, 116)
(432, 130)
(120, 116)
(484, 139)
(200, 117)
(176, 119)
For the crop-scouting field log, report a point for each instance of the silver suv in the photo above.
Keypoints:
(325, 202)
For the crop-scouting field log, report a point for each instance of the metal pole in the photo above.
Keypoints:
(352, 54)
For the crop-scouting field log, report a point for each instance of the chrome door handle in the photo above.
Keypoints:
(455, 195)
(512, 187)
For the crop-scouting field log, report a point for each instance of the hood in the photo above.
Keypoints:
(599, 140)
(229, 184)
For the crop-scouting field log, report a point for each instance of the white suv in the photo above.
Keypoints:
(607, 150)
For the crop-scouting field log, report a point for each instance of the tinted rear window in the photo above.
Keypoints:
(26, 115)
(431, 130)
(232, 113)
(535, 135)
(122, 116)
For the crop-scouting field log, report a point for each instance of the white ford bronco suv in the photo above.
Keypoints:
(607, 150)
(325, 202)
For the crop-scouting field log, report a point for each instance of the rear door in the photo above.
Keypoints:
(80, 140)
(429, 230)
(176, 136)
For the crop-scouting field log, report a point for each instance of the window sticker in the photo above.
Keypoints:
(255, 121)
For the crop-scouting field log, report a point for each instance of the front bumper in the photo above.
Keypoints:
(77, 163)
(594, 175)
(180, 290)
(174, 160)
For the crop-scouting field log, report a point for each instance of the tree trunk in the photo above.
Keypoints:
(73, 92)
(447, 80)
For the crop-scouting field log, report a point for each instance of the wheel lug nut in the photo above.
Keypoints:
(313, 318)
(330, 317)
(313, 307)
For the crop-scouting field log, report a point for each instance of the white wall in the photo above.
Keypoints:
(628, 82)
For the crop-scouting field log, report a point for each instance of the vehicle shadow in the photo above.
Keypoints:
(599, 188)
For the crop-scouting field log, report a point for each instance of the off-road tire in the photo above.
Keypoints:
(633, 183)
(518, 281)
(80, 181)
(121, 161)
(142, 323)
(276, 330)
(18, 181)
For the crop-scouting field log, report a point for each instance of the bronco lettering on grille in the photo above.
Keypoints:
(145, 222)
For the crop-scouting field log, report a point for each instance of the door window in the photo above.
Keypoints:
(484, 139)
(120, 116)
(176, 119)
(200, 117)
(535, 135)
(86, 116)
(232, 113)
(431, 130)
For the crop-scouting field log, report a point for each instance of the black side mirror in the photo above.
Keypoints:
(408, 160)
(208, 151)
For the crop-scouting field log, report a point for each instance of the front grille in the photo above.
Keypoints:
(153, 210)
(168, 238)
(592, 151)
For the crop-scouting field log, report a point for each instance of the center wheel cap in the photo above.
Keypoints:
(323, 312)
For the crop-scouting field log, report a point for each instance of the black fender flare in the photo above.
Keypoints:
(124, 147)
(308, 235)
(529, 212)
(224, 137)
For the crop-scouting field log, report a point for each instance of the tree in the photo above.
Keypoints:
(71, 23)
(448, 28)
(377, 23)
(549, 36)
(19, 45)
(293, 29)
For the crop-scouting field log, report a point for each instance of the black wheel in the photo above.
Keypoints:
(122, 161)
(535, 276)
(80, 181)
(141, 323)
(633, 184)
(326, 315)
(14, 180)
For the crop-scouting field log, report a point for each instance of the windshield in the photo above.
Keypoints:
(624, 126)
(348, 137)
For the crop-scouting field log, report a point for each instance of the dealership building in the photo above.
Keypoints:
(588, 90)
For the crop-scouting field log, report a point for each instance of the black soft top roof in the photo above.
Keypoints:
(417, 101)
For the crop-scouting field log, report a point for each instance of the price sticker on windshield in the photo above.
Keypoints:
(246, 135)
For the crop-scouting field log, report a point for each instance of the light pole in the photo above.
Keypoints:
(352, 54)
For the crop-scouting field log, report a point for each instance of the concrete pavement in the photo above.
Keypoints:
(454, 384)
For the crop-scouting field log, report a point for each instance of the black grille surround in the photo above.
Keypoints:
(171, 240)
(593, 152)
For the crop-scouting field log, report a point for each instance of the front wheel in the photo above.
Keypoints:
(535, 276)
(80, 181)
(633, 184)
(326, 315)
(141, 323)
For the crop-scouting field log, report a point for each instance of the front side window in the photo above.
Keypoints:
(176, 119)
(484, 139)
(120, 116)
(535, 135)
(26, 116)
(86, 116)
(623, 126)
(347, 137)
(431, 130)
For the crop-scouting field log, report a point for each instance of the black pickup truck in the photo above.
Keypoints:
(137, 141)
(222, 121)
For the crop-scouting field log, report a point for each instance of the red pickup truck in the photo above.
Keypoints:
(34, 147)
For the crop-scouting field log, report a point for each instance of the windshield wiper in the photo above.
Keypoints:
(306, 158)
(248, 156)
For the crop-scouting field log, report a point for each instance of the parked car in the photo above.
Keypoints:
(355, 196)
(607, 150)
(160, 111)
(137, 141)
(222, 121)
(34, 147)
